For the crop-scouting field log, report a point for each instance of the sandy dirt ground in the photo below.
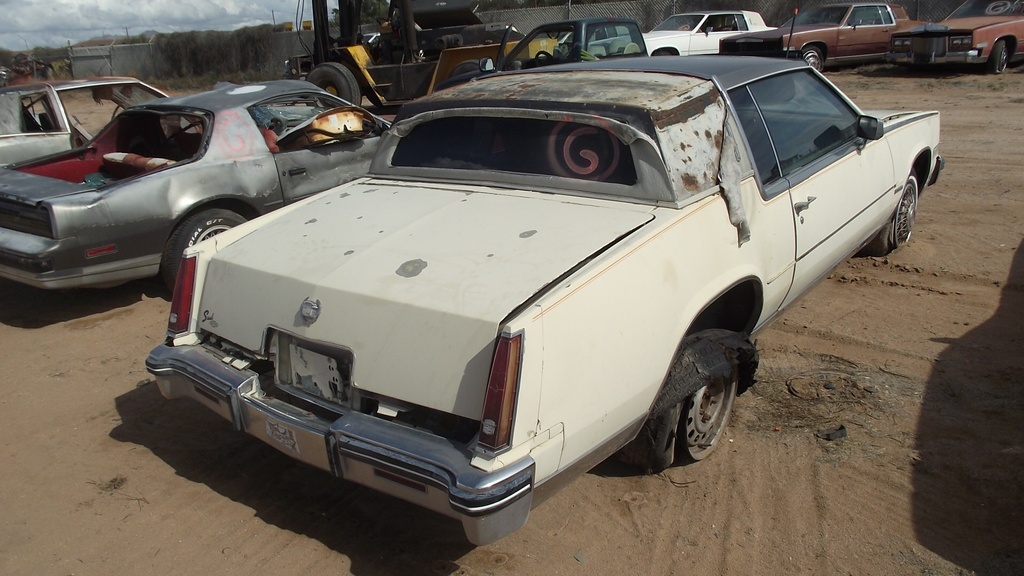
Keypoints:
(917, 355)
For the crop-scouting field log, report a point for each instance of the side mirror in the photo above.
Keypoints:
(870, 128)
(487, 64)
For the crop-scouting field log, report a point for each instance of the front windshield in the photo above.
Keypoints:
(827, 15)
(973, 8)
(679, 22)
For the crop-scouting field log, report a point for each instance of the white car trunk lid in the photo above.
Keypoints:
(413, 280)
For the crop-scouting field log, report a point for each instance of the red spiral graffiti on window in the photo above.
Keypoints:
(584, 152)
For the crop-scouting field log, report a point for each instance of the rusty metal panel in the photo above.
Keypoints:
(691, 135)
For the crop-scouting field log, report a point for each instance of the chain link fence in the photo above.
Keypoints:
(145, 61)
(650, 12)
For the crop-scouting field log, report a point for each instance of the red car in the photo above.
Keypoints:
(828, 35)
(978, 32)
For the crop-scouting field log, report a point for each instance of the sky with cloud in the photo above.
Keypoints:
(26, 24)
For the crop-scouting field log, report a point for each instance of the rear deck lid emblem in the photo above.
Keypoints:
(309, 311)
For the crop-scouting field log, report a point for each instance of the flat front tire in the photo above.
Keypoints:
(192, 230)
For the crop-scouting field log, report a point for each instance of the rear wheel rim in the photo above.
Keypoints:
(212, 231)
(705, 417)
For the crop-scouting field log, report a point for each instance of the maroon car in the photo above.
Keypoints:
(833, 34)
(987, 32)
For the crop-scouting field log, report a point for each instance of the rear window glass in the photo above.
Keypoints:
(518, 145)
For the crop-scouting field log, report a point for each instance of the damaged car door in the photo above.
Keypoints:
(313, 139)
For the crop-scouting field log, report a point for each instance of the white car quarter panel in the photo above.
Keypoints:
(611, 331)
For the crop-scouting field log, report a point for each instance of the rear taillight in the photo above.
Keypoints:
(181, 302)
(502, 387)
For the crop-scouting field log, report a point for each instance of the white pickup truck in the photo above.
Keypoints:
(541, 269)
(700, 32)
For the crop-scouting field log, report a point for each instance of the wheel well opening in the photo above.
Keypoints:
(665, 52)
(922, 164)
(1011, 45)
(737, 310)
(817, 46)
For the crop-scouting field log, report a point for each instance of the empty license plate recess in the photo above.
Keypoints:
(314, 373)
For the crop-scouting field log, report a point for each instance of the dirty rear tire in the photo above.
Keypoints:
(338, 80)
(667, 436)
(196, 228)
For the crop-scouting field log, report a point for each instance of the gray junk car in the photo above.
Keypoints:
(41, 118)
(164, 175)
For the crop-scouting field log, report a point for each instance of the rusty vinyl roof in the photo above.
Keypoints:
(621, 86)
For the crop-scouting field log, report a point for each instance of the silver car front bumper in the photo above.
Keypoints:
(424, 469)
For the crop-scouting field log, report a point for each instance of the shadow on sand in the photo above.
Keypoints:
(30, 308)
(968, 502)
(377, 533)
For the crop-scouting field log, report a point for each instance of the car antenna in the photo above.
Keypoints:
(792, 25)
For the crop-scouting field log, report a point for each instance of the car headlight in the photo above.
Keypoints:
(900, 43)
(960, 42)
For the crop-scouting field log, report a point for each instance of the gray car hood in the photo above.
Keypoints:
(415, 280)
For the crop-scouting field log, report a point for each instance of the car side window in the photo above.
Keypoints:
(886, 14)
(728, 23)
(866, 16)
(757, 135)
(805, 117)
(37, 114)
(541, 48)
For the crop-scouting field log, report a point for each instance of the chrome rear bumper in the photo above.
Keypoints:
(424, 469)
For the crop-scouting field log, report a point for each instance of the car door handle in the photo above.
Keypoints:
(297, 171)
(801, 206)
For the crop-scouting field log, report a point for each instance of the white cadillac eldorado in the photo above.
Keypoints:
(695, 33)
(541, 269)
